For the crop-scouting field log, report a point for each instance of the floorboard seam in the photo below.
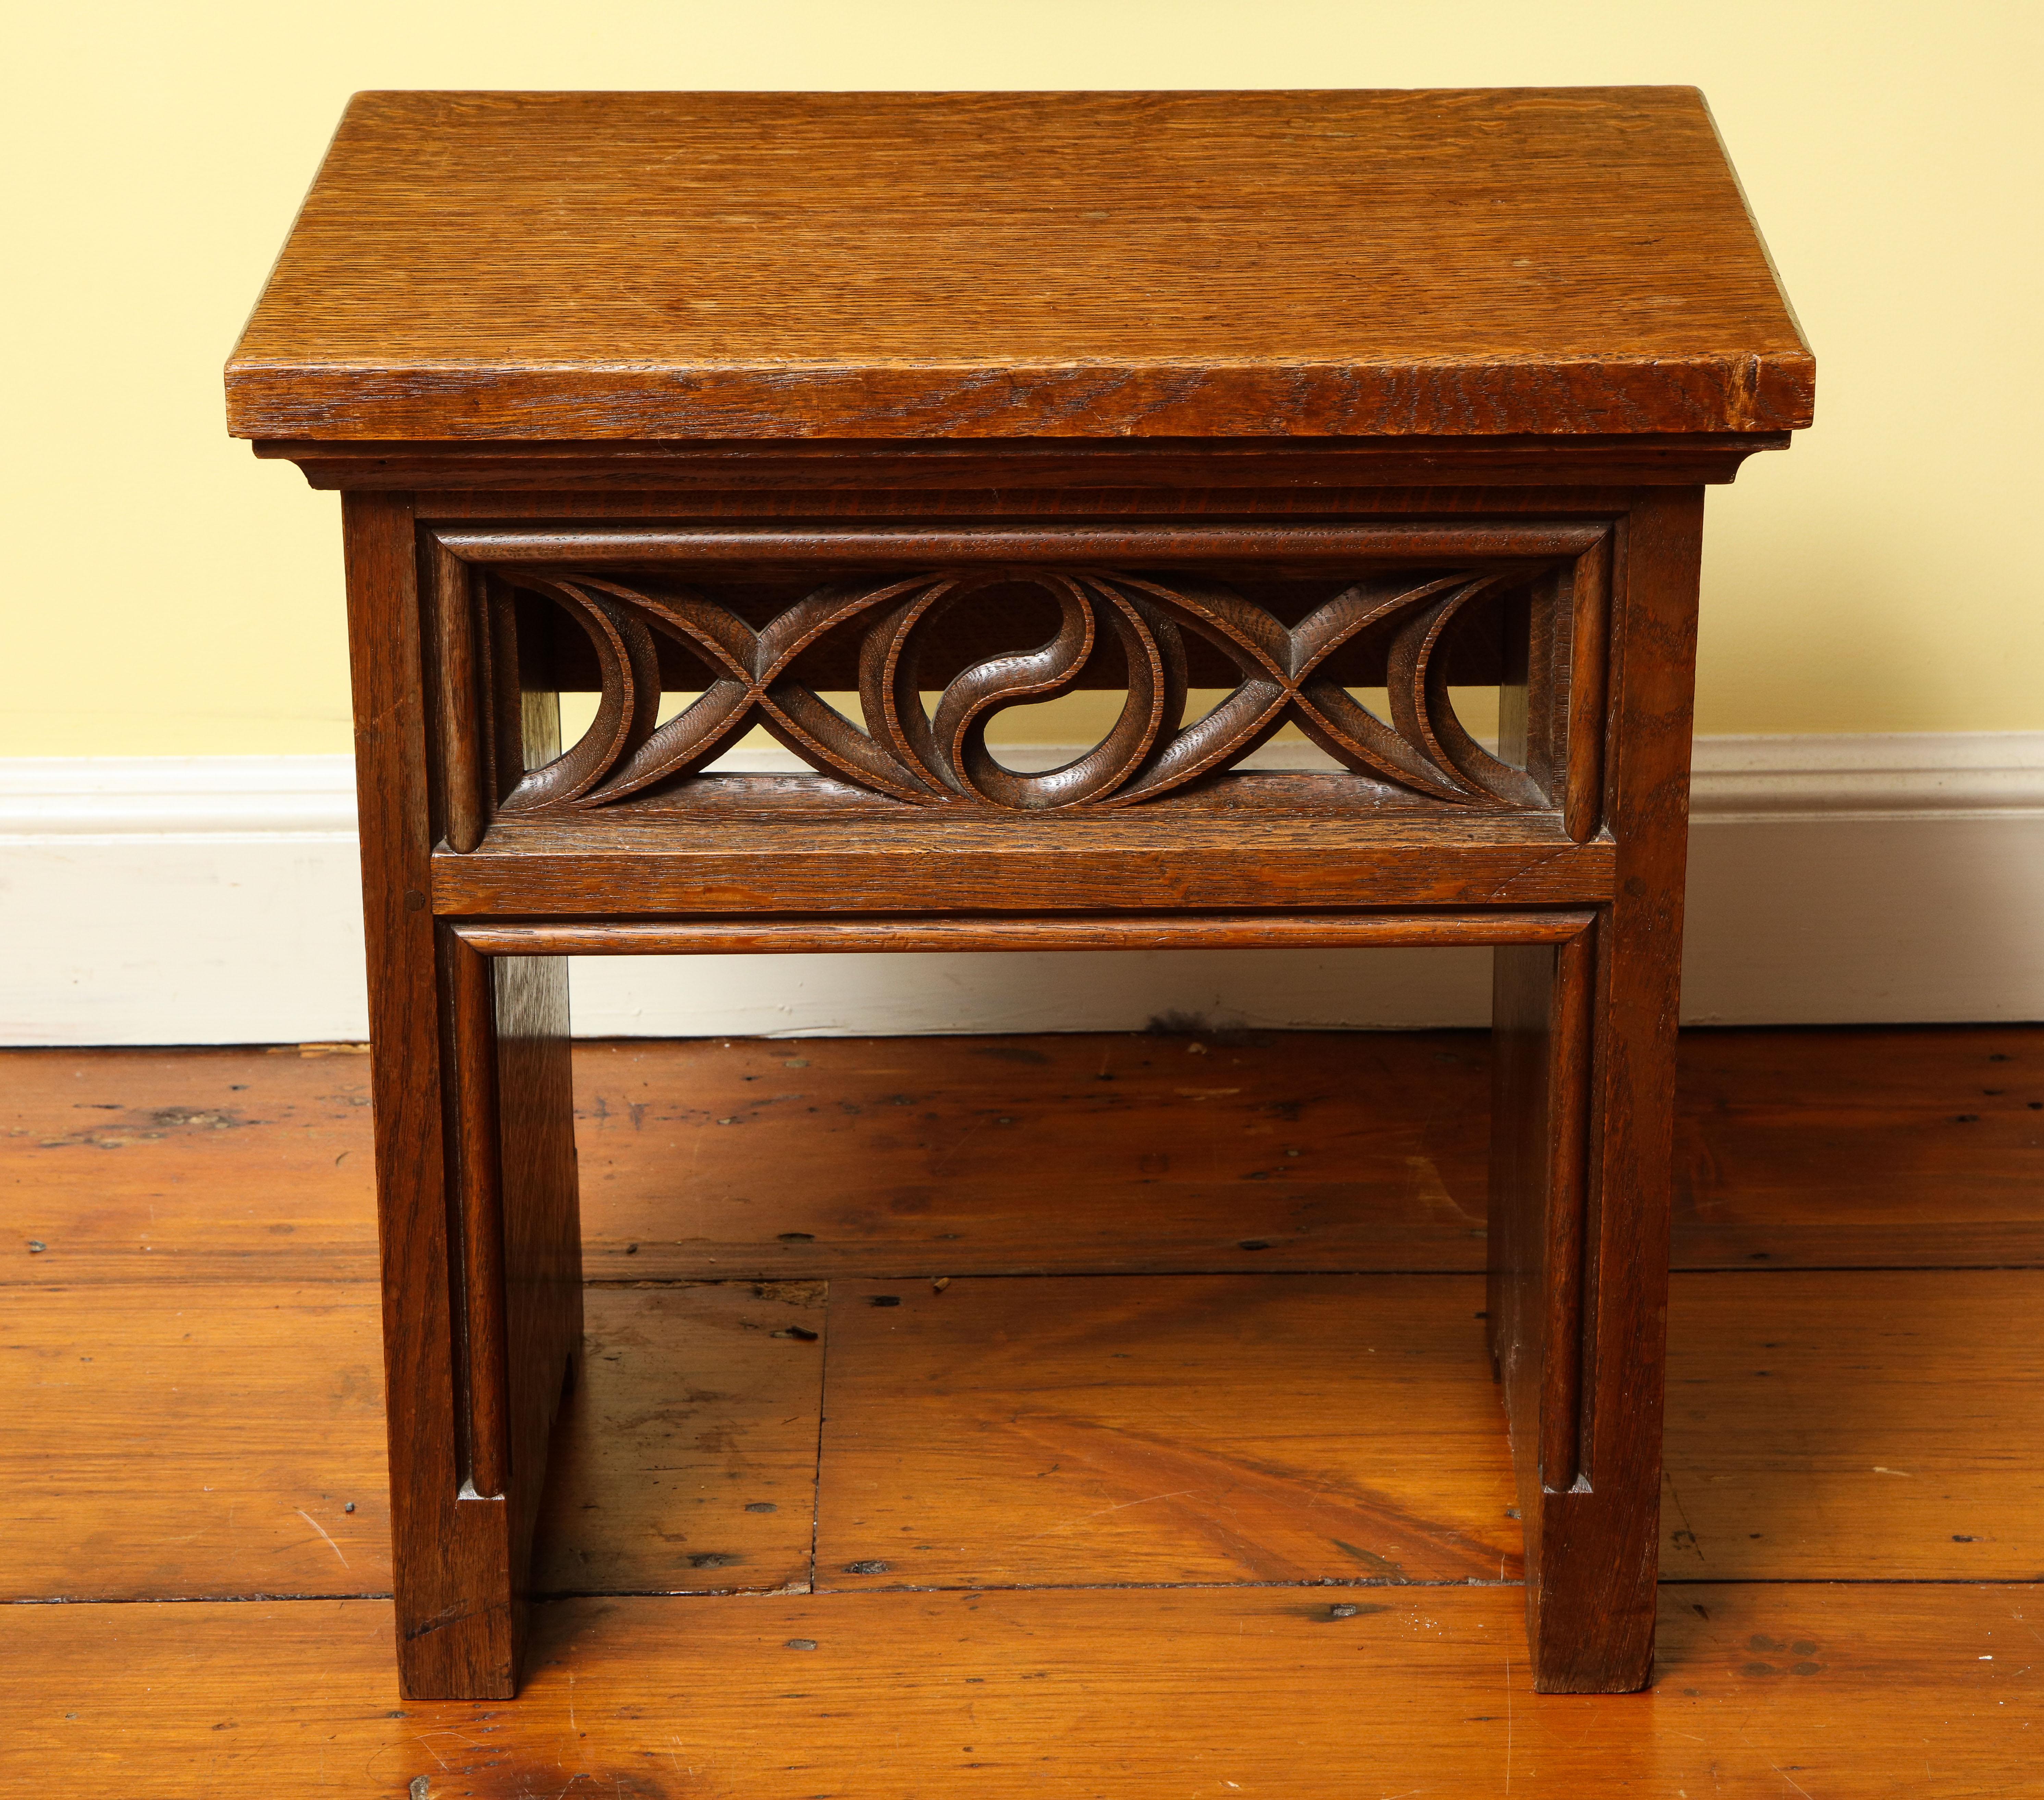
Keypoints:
(930, 1274)
(1313, 1586)
(190, 1599)
(823, 1417)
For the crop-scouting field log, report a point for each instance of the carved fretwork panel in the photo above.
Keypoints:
(933, 655)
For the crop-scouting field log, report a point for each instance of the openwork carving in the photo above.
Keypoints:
(926, 756)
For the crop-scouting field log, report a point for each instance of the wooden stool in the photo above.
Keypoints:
(951, 402)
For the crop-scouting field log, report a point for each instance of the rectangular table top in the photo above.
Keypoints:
(590, 266)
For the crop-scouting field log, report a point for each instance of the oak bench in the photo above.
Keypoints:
(863, 417)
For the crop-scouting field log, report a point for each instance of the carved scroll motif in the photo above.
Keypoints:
(938, 758)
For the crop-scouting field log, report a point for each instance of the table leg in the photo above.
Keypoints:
(517, 1252)
(1583, 1137)
(483, 1316)
(1584, 1425)
(475, 1184)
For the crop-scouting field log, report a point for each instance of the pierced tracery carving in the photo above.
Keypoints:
(939, 757)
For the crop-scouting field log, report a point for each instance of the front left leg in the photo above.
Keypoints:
(519, 1245)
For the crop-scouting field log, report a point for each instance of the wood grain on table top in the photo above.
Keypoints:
(606, 265)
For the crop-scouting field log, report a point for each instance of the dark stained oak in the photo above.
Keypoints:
(1587, 1316)
(1591, 636)
(1284, 623)
(900, 934)
(606, 265)
(712, 406)
(620, 477)
(594, 865)
(520, 1226)
(1192, 543)
(452, 1540)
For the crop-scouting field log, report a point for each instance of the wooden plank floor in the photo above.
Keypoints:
(1079, 1416)
(703, 1160)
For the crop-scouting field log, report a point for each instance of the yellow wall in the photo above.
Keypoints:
(165, 593)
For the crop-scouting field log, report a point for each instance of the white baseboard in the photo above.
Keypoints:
(1886, 877)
